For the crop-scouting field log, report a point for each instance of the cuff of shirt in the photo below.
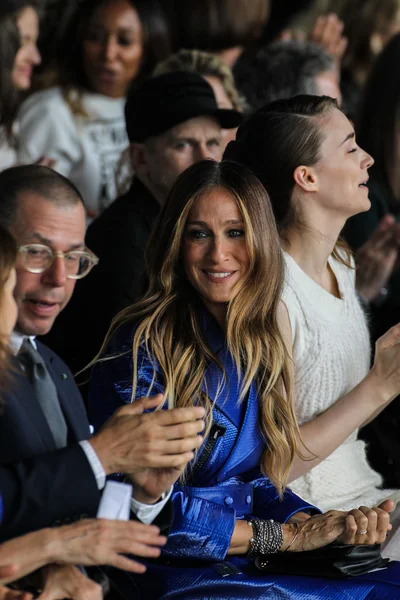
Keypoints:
(148, 512)
(95, 463)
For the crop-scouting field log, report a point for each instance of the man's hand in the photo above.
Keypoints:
(131, 441)
(61, 582)
(150, 484)
(377, 259)
(104, 542)
(7, 594)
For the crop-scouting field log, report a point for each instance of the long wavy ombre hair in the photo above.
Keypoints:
(168, 318)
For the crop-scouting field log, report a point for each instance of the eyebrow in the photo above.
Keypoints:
(204, 224)
(47, 242)
(122, 29)
(348, 137)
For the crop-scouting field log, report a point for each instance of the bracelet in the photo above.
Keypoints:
(267, 537)
(294, 537)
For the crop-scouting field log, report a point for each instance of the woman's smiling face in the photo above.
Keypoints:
(215, 251)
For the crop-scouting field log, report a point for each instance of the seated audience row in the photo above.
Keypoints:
(209, 211)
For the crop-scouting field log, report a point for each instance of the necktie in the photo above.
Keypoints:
(45, 391)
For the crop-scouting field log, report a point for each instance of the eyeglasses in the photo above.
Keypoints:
(37, 258)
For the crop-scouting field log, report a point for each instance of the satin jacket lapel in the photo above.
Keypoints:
(74, 412)
(246, 442)
(26, 398)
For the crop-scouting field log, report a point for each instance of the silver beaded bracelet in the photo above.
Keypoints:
(267, 537)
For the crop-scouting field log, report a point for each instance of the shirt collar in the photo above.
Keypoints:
(17, 339)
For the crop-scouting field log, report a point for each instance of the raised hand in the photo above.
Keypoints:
(131, 441)
(377, 258)
(328, 33)
(385, 372)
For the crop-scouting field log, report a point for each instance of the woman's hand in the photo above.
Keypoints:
(366, 526)
(359, 526)
(315, 532)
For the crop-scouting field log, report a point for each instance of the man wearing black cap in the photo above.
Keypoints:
(172, 122)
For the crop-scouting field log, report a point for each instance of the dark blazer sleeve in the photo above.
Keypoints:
(50, 489)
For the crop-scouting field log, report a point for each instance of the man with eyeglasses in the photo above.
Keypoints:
(60, 474)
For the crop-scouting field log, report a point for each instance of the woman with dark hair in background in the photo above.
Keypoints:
(19, 28)
(378, 128)
(109, 45)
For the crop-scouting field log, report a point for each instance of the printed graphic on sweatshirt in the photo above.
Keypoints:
(109, 140)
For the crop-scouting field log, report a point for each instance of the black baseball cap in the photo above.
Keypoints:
(162, 102)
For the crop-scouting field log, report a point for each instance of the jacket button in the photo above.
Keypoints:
(248, 499)
(228, 500)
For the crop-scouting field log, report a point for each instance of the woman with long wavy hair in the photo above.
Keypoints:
(207, 332)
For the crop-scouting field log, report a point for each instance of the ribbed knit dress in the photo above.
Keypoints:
(331, 353)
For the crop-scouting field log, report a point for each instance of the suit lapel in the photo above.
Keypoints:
(70, 400)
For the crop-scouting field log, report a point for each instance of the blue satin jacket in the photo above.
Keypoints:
(225, 483)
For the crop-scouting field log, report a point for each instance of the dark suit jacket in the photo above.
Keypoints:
(118, 237)
(38, 483)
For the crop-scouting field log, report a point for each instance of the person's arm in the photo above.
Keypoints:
(37, 492)
(326, 432)
(89, 542)
(358, 526)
